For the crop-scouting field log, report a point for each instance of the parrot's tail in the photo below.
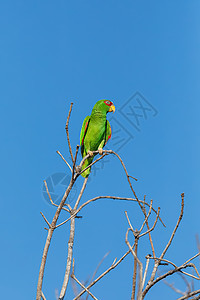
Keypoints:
(86, 163)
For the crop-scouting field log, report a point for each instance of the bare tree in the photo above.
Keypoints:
(139, 283)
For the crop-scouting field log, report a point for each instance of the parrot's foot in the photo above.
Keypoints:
(100, 151)
(90, 153)
(78, 169)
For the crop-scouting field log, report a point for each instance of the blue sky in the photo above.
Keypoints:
(55, 52)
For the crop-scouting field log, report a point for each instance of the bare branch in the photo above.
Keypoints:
(64, 160)
(196, 255)
(45, 183)
(74, 277)
(196, 298)
(106, 197)
(70, 245)
(67, 131)
(114, 265)
(176, 227)
(152, 228)
(46, 220)
(134, 270)
(75, 210)
(129, 222)
(150, 238)
(145, 271)
(167, 246)
(189, 265)
(136, 235)
(171, 272)
(140, 268)
(133, 177)
(43, 296)
(171, 285)
(93, 276)
(190, 295)
(146, 216)
(48, 241)
(74, 163)
(81, 193)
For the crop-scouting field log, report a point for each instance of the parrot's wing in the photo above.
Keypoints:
(108, 132)
(83, 132)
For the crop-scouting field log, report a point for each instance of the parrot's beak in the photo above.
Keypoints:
(112, 108)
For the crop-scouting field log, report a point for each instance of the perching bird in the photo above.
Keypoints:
(95, 132)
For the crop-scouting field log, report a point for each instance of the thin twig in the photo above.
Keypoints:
(133, 177)
(189, 295)
(43, 296)
(67, 131)
(193, 257)
(64, 160)
(74, 163)
(114, 265)
(150, 238)
(146, 216)
(46, 220)
(99, 264)
(176, 227)
(171, 272)
(74, 277)
(171, 285)
(107, 197)
(64, 208)
(155, 222)
(189, 265)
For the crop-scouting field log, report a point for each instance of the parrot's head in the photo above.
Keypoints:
(104, 106)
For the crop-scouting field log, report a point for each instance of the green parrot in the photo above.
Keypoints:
(95, 132)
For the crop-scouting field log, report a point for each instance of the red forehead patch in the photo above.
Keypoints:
(107, 102)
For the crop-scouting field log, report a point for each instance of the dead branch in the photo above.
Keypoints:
(64, 160)
(171, 285)
(67, 131)
(149, 284)
(70, 245)
(43, 296)
(46, 220)
(113, 266)
(155, 222)
(74, 277)
(48, 241)
(112, 198)
(99, 264)
(190, 295)
(136, 260)
(150, 238)
(146, 269)
(49, 195)
(74, 163)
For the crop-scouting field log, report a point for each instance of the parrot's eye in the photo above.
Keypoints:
(107, 102)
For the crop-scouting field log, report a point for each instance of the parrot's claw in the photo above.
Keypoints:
(90, 153)
(100, 151)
